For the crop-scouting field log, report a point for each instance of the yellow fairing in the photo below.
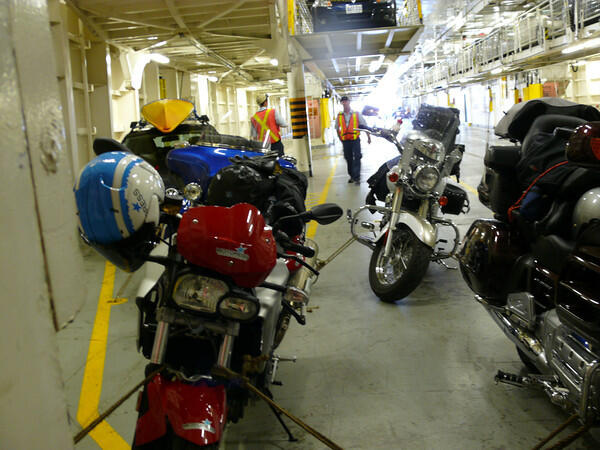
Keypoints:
(166, 114)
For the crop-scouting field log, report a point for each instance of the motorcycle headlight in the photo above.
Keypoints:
(239, 308)
(199, 293)
(426, 178)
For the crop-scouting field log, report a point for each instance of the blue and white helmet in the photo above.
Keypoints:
(116, 194)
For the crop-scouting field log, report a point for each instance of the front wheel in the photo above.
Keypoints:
(396, 276)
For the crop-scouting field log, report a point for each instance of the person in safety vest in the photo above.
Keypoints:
(346, 126)
(265, 125)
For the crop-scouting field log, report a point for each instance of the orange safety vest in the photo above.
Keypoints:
(264, 122)
(348, 132)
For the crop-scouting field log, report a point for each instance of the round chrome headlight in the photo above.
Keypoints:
(426, 178)
(239, 308)
(199, 293)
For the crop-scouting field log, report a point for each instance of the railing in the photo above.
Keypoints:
(549, 24)
(409, 13)
(303, 18)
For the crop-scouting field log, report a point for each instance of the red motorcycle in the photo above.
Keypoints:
(230, 286)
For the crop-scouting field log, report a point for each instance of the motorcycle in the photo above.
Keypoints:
(171, 136)
(417, 192)
(226, 290)
(547, 248)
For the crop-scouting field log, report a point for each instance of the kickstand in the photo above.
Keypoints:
(291, 437)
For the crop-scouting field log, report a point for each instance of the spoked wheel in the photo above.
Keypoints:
(394, 277)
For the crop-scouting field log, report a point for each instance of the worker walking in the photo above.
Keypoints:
(265, 125)
(347, 125)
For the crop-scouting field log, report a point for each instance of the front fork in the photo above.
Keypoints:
(161, 338)
(396, 205)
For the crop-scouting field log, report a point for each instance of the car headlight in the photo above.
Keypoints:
(426, 178)
(239, 308)
(199, 293)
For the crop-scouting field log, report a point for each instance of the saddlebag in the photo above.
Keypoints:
(487, 255)
(458, 200)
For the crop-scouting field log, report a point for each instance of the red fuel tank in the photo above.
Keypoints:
(233, 241)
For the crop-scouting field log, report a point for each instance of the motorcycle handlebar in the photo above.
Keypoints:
(287, 244)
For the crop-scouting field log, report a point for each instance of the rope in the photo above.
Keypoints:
(570, 438)
(555, 432)
(83, 433)
(226, 373)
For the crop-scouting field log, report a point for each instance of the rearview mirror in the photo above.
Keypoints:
(325, 213)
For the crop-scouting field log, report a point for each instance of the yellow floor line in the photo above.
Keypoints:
(89, 399)
(470, 188)
(312, 228)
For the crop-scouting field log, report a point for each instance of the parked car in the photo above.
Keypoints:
(343, 15)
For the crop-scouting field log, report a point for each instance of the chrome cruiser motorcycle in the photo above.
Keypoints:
(547, 248)
(416, 190)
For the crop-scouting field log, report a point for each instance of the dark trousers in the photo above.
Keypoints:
(352, 155)
(278, 147)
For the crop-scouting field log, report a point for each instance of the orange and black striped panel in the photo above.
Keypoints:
(298, 115)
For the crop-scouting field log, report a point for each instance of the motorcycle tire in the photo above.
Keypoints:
(394, 281)
(527, 362)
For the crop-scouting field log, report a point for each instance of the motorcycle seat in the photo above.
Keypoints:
(547, 124)
(552, 252)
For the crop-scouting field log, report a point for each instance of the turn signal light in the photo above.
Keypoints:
(393, 177)
(443, 201)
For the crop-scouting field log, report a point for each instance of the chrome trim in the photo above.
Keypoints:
(528, 343)
(159, 348)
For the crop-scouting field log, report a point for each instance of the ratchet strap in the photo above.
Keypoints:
(229, 374)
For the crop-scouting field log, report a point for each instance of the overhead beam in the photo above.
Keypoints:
(389, 39)
(175, 14)
(88, 21)
(350, 52)
(222, 13)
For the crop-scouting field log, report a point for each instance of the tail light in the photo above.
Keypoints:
(584, 145)
(393, 177)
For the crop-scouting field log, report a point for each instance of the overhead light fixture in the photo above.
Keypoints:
(496, 71)
(278, 81)
(274, 61)
(159, 44)
(581, 46)
(212, 71)
(157, 57)
(251, 88)
(213, 79)
(152, 38)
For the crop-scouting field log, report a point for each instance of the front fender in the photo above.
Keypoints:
(196, 412)
(419, 226)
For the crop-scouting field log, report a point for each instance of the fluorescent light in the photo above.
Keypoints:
(213, 79)
(159, 44)
(157, 57)
(152, 38)
(274, 61)
(278, 81)
(581, 46)
(496, 71)
(210, 71)
(251, 88)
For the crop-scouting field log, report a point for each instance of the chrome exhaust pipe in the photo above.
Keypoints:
(523, 339)
(303, 278)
